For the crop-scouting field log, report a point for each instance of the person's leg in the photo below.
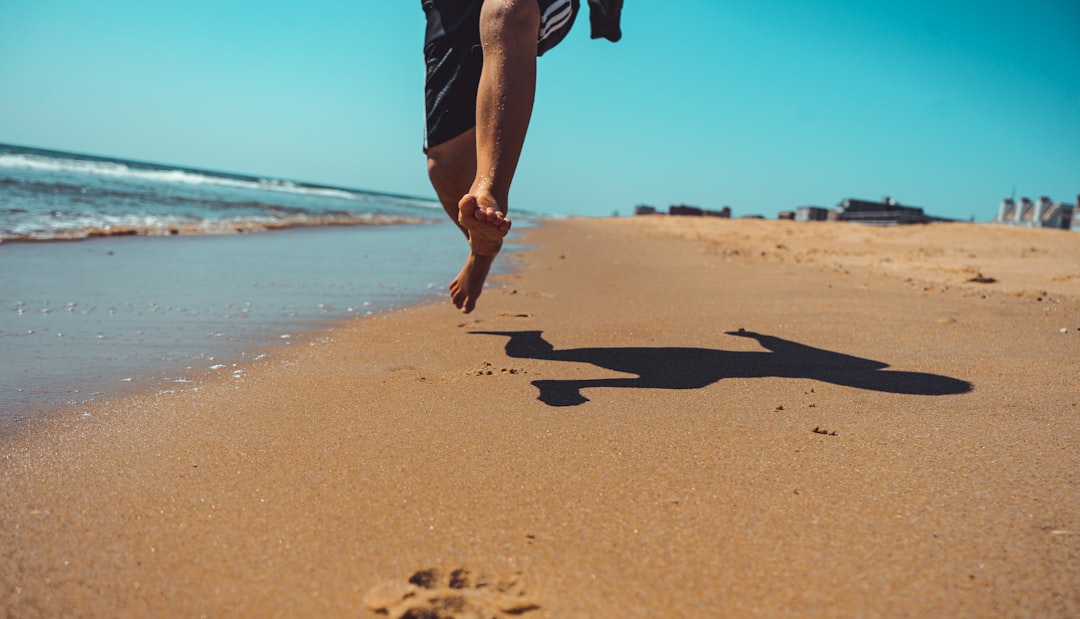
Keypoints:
(508, 34)
(471, 171)
(452, 168)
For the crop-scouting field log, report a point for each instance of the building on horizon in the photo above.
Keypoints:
(1043, 213)
(888, 212)
(685, 210)
(696, 211)
(812, 213)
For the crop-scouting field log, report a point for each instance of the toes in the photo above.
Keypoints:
(470, 209)
(496, 218)
(462, 300)
(460, 295)
(489, 216)
(457, 295)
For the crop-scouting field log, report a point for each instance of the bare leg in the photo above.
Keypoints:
(508, 33)
(452, 168)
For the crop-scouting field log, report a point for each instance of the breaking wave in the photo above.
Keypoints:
(48, 195)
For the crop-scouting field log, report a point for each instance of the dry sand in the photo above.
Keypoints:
(655, 417)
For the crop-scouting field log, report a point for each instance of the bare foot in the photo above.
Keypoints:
(469, 283)
(486, 224)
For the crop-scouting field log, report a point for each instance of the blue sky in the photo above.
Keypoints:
(763, 105)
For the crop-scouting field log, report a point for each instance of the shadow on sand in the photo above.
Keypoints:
(696, 368)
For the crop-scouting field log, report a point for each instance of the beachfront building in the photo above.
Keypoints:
(888, 212)
(695, 211)
(1043, 213)
(812, 213)
(684, 210)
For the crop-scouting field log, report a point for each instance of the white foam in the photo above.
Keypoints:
(45, 227)
(114, 169)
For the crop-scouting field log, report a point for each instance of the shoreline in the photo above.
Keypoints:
(82, 321)
(650, 418)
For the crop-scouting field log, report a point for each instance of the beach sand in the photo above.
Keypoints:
(653, 417)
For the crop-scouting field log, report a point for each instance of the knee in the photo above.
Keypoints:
(448, 175)
(452, 165)
(513, 17)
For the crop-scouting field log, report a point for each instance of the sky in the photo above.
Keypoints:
(760, 105)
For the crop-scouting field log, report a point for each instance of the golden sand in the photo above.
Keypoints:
(653, 417)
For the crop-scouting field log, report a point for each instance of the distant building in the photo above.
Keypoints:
(1041, 214)
(682, 209)
(786, 216)
(886, 213)
(811, 213)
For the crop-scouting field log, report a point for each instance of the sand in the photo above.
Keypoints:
(653, 417)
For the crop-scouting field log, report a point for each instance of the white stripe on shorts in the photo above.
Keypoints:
(557, 15)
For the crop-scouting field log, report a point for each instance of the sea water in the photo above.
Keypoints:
(180, 272)
(50, 195)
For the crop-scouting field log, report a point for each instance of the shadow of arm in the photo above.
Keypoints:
(524, 344)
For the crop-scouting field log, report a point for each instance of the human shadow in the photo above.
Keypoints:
(696, 368)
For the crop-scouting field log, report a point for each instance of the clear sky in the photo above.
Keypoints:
(763, 105)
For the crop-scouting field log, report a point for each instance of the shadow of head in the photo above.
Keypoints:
(696, 368)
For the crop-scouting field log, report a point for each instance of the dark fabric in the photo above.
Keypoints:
(453, 60)
(604, 18)
(555, 22)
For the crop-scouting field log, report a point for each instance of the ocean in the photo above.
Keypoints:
(50, 195)
(179, 271)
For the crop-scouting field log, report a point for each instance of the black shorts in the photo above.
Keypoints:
(454, 59)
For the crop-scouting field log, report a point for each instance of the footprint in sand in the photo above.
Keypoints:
(461, 593)
(490, 370)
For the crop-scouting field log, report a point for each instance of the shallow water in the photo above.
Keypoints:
(86, 320)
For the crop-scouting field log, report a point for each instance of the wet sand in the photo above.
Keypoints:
(654, 417)
(89, 320)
